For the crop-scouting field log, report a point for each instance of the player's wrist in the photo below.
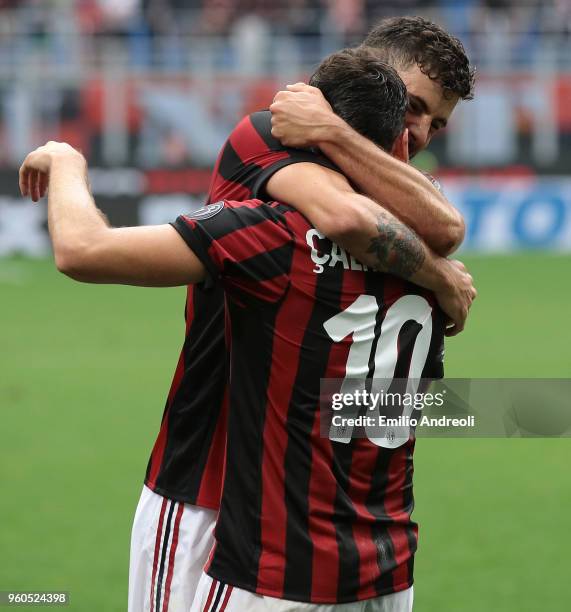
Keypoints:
(332, 131)
(443, 277)
(71, 160)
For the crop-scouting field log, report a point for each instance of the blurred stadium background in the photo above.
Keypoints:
(149, 89)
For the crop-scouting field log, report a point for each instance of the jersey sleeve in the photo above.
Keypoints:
(250, 157)
(246, 246)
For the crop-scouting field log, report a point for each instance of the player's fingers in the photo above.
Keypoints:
(37, 180)
(452, 331)
(35, 185)
(282, 95)
(458, 325)
(43, 184)
(299, 86)
(450, 325)
(23, 179)
(275, 107)
(31, 184)
(280, 98)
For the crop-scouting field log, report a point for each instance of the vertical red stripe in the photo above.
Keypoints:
(210, 596)
(226, 598)
(158, 452)
(364, 458)
(393, 289)
(289, 329)
(322, 491)
(225, 189)
(172, 553)
(394, 494)
(212, 479)
(157, 550)
(394, 507)
(323, 485)
(402, 555)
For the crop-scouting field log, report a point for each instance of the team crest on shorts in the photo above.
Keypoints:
(206, 212)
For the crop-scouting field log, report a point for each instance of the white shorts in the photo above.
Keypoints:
(170, 543)
(214, 596)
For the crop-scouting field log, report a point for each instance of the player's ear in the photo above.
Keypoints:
(400, 147)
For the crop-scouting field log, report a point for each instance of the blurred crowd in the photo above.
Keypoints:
(155, 82)
(298, 17)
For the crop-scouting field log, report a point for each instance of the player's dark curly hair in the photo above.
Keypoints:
(366, 93)
(405, 41)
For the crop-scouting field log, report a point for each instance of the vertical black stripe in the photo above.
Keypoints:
(375, 285)
(196, 406)
(375, 505)
(344, 517)
(312, 367)
(163, 557)
(238, 529)
(218, 596)
(408, 498)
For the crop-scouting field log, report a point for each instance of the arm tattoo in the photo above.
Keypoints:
(397, 249)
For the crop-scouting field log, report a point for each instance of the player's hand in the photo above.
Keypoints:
(458, 296)
(301, 116)
(35, 171)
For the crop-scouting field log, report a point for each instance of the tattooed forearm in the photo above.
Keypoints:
(396, 249)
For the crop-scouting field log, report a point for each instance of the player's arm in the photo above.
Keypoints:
(373, 235)
(85, 247)
(301, 117)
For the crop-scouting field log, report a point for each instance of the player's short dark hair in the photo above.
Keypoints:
(404, 41)
(366, 93)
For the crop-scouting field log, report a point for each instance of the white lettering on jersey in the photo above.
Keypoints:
(336, 254)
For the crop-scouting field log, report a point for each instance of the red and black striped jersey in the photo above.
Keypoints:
(305, 517)
(187, 459)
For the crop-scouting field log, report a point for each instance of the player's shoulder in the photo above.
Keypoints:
(256, 124)
(224, 208)
(239, 205)
(261, 118)
(260, 121)
(256, 207)
(227, 216)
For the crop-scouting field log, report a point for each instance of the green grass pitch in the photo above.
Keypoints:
(84, 374)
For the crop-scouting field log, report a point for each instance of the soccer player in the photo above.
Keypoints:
(171, 534)
(183, 482)
(302, 518)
